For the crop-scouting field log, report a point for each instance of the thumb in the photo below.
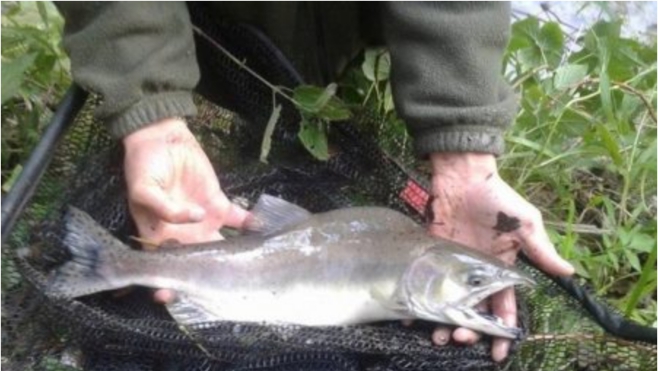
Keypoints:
(158, 202)
(540, 250)
(233, 215)
(236, 216)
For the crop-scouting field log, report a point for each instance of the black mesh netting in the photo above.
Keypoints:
(127, 331)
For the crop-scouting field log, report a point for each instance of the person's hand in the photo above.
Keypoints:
(472, 205)
(173, 191)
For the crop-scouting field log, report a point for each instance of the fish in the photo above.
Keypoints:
(343, 267)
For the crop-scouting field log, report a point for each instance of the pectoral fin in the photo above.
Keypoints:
(393, 302)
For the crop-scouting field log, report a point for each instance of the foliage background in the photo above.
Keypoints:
(583, 148)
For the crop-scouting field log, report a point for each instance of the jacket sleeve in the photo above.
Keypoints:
(447, 73)
(138, 56)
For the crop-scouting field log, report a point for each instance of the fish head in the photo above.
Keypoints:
(446, 282)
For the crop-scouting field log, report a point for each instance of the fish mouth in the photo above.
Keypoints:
(488, 324)
(464, 315)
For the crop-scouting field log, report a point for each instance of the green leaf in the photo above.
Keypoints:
(630, 104)
(551, 42)
(12, 9)
(43, 13)
(6, 187)
(267, 136)
(524, 33)
(309, 97)
(580, 269)
(336, 110)
(376, 65)
(314, 98)
(314, 138)
(569, 75)
(521, 32)
(321, 103)
(604, 78)
(389, 105)
(648, 276)
(12, 75)
(641, 242)
(551, 37)
(633, 260)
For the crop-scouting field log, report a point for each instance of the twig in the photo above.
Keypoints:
(639, 94)
(547, 10)
(579, 228)
(526, 14)
(632, 90)
(242, 64)
(619, 85)
(528, 75)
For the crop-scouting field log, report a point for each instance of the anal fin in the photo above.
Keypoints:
(187, 311)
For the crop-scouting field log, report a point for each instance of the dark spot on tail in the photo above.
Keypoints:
(489, 176)
(506, 223)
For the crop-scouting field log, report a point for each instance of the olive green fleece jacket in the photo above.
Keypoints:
(446, 62)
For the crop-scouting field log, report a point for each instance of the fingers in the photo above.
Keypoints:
(503, 305)
(441, 335)
(155, 199)
(232, 215)
(539, 249)
(466, 336)
(164, 296)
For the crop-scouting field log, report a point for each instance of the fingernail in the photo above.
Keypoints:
(197, 214)
(568, 268)
(441, 336)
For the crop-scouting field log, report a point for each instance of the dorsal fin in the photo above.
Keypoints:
(271, 215)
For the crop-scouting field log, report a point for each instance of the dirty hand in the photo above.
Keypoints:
(173, 191)
(472, 205)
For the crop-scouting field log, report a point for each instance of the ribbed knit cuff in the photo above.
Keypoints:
(461, 138)
(151, 109)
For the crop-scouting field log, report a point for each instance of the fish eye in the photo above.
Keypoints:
(475, 281)
(476, 278)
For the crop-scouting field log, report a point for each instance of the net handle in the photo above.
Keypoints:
(34, 168)
(612, 322)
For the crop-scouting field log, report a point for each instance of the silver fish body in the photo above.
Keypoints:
(342, 267)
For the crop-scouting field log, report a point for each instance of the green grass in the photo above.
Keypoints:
(584, 150)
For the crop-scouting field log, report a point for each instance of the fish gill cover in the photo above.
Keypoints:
(128, 331)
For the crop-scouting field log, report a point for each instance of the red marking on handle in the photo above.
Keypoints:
(415, 196)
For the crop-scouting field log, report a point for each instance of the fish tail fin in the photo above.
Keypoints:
(95, 264)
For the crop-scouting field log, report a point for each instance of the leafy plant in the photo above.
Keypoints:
(316, 105)
(584, 149)
(35, 72)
